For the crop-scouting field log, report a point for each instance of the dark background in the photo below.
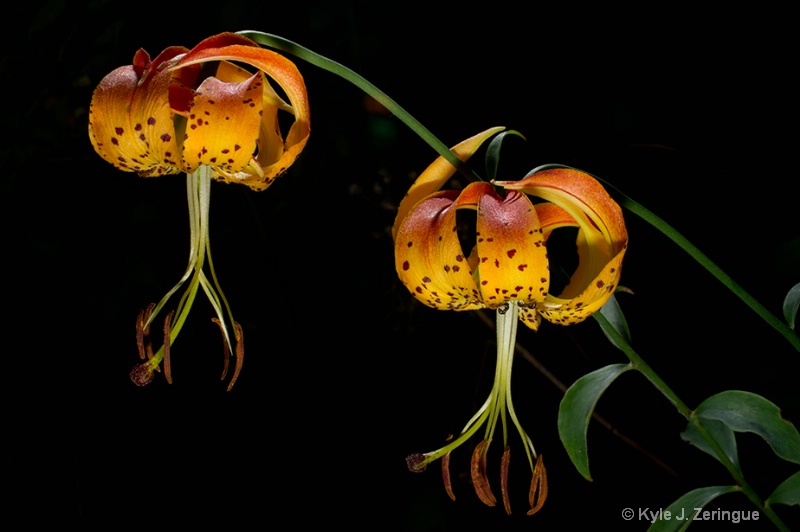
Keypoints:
(692, 114)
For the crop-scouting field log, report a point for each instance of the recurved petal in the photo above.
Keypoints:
(437, 174)
(130, 121)
(511, 251)
(429, 259)
(232, 47)
(587, 302)
(223, 125)
(601, 242)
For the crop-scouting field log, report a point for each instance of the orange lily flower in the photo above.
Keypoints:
(197, 112)
(507, 270)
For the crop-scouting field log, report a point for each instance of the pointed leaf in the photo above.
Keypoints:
(788, 492)
(678, 515)
(749, 412)
(576, 410)
(493, 153)
(790, 305)
(613, 313)
(722, 434)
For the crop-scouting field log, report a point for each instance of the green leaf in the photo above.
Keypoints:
(749, 412)
(678, 515)
(790, 305)
(613, 313)
(493, 153)
(721, 433)
(788, 492)
(576, 410)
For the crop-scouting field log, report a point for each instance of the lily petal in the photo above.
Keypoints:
(429, 259)
(222, 129)
(602, 239)
(437, 174)
(130, 120)
(510, 247)
(271, 161)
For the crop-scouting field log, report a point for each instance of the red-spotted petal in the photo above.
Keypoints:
(510, 248)
(601, 242)
(429, 259)
(223, 126)
(130, 120)
(272, 160)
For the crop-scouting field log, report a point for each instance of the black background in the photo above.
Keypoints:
(692, 114)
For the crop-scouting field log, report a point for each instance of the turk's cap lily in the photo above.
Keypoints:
(188, 108)
(509, 261)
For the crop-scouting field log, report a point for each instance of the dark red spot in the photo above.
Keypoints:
(410, 244)
(151, 121)
(600, 284)
(426, 279)
(166, 137)
(119, 130)
(138, 127)
(114, 141)
(522, 267)
(456, 268)
(511, 253)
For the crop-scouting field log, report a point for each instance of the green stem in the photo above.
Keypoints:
(638, 363)
(285, 45)
(708, 264)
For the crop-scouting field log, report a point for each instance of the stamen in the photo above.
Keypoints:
(448, 486)
(143, 343)
(167, 365)
(479, 479)
(239, 354)
(140, 334)
(538, 493)
(504, 479)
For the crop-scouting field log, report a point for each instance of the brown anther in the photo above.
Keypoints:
(416, 463)
(538, 493)
(167, 365)
(448, 486)
(143, 332)
(504, 479)
(478, 471)
(239, 354)
(140, 334)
